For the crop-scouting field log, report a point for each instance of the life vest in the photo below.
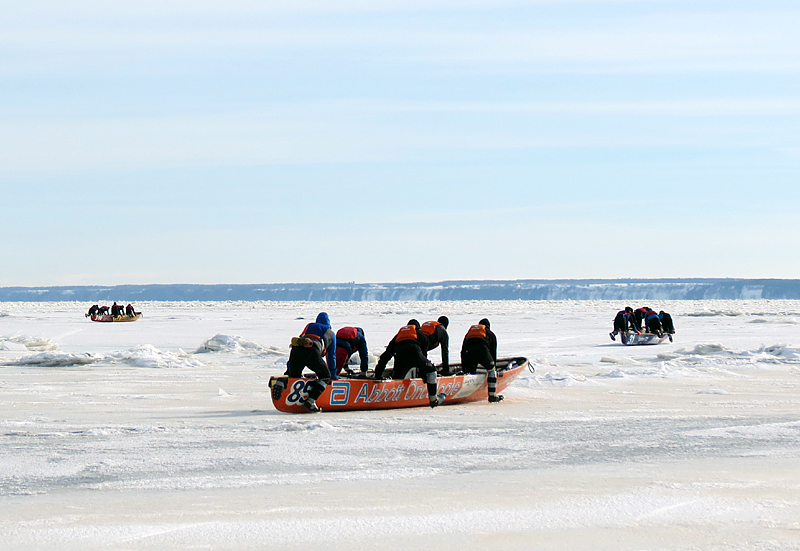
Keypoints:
(476, 331)
(429, 327)
(305, 333)
(406, 333)
(312, 335)
(349, 333)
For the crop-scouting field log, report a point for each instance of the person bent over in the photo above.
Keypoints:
(480, 348)
(436, 333)
(315, 342)
(348, 341)
(407, 350)
(666, 324)
(639, 317)
(653, 322)
(623, 322)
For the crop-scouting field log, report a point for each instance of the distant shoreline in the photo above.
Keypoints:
(523, 289)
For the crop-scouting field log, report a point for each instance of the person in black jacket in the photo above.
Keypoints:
(407, 350)
(480, 348)
(623, 322)
(436, 332)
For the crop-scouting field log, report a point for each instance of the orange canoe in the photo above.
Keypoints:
(359, 394)
(110, 318)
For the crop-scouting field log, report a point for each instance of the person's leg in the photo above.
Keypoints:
(485, 360)
(468, 364)
(315, 388)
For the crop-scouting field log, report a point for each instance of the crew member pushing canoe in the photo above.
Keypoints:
(316, 340)
(480, 348)
(623, 322)
(407, 348)
(436, 332)
(348, 341)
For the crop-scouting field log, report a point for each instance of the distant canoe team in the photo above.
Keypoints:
(644, 320)
(115, 311)
(327, 354)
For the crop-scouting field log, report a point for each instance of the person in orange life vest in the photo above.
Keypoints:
(407, 349)
(348, 341)
(316, 340)
(480, 348)
(436, 332)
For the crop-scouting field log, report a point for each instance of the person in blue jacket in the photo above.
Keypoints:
(653, 322)
(315, 342)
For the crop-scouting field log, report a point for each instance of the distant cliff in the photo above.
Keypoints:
(566, 289)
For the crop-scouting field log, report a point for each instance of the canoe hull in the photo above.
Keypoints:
(364, 394)
(110, 318)
(634, 339)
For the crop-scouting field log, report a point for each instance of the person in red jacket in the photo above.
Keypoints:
(350, 340)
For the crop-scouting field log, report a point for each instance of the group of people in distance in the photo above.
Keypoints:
(642, 320)
(115, 310)
(327, 354)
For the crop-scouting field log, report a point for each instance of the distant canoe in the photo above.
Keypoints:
(109, 317)
(632, 338)
(361, 394)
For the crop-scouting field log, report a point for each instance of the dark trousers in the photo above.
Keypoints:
(301, 357)
(408, 355)
(475, 354)
(654, 325)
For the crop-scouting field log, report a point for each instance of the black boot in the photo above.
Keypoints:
(310, 405)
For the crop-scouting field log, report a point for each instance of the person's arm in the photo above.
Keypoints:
(362, 351)
(332, 356)
(385, 357)
(492, 345)
(444, 342)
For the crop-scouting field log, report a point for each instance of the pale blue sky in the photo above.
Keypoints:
(247, 142)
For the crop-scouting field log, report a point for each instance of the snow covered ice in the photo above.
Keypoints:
(160, 434)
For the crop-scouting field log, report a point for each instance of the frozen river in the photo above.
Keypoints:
(160, 434)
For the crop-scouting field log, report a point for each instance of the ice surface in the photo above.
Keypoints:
(114, 437)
